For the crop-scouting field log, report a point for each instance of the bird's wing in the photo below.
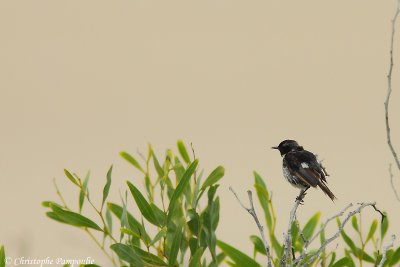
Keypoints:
(305, 166)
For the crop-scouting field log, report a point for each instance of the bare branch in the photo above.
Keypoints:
(288, 236)
(337, 234)
(392, 183)
(306, 244)
(385, 249)
(389, 91)
(252, 212)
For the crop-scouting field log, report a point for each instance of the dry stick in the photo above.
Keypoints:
(385, 249)
(336, 235)
(389, 91)
(392, 183)
(252, 212)
(303, 254)
(288, 237)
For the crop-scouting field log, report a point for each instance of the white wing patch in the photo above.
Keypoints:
(304, 165)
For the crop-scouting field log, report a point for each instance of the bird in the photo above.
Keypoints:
(301, 168)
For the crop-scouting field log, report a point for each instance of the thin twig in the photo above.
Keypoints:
(337, 234)
(303, 254)
(288, 237)
(252, 212)
(385, 249)
(392, 183)
(389, 91)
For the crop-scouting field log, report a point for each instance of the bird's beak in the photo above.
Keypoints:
(274, 147)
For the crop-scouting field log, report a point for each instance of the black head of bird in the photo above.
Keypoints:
(286, 146)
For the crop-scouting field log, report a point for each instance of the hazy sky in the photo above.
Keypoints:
(81, 81)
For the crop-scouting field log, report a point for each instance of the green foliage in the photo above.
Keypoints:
(2, 257)
(354, 251)
(165, 226)
(172, 231)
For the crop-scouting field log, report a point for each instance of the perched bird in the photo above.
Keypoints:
(301, 168)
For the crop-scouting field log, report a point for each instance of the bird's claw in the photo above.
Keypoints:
(300, 198)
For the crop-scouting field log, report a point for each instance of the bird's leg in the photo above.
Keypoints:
(302, 194)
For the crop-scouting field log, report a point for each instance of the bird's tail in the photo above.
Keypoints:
(326, 190)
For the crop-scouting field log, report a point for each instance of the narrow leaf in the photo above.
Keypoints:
(195, 261)
(73, 218)
(348, 241)
(342, 262)
(310, 226)
(384, 227)
(132, 223)
(176, 242)
(127, 254)
(70, 177)
(107, 186)
(2, 257)
(149, 258)
(237, 256)
(181, 186)
(183, 151)
(131, 160)
(214, 177)
(354, 222)
(258, 244)
(143, 205)
(395, 258)
(263, 198)
(83, 191)
(372, 229)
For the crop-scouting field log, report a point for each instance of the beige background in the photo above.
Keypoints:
(82, 80)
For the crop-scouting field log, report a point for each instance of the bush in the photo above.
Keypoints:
(174, 231)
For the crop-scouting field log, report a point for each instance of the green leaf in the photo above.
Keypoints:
(372, 230)
(310, 226)
(70, 177)
(333, 257)
(276, 245)
(109, 220)
(74, 219)
(350, 263)
(354, 222)
(127, 254)
(348, 241)
(395, 257)
(194, 224)
(133, 224)
(149, 258)
(195, 261)
(162, 233)
(263, 198)
(83, 191)
(2, 257)
(358, 253)
(157, 166)
(237, 256)
(214, 177)
(183, 151)
(143, 205)
(258, 244)
(181, 186)
(106, 188)
(53, 216)
(48, 204)
(131, 160)
(342, 262)
(384, 226)
(176, 242)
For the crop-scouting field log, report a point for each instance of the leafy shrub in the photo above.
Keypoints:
(173, 230)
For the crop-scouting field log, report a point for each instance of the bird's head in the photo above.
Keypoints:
(287, 146)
